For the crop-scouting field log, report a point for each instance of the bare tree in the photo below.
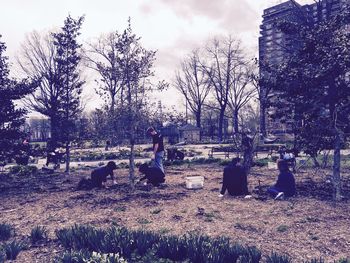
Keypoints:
(224, 56)
(193, 84)
(241, 91)
(36, 60)
(102, 57)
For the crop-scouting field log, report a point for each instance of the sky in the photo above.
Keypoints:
(172, 27)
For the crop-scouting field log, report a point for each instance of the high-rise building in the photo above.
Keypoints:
(275, 46)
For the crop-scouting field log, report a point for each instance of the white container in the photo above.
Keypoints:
(272, 165)
(194, 182)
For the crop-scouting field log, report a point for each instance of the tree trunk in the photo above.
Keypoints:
(263, 119)
(67, 157)
(235, 121)
(132, 160)
(221, 121)
(336, 168)
(198, 123)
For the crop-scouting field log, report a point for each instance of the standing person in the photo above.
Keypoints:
(235, 179)
(158, 147)
(285, 185)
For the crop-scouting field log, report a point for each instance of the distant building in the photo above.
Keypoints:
(275, 46)
(190, 133)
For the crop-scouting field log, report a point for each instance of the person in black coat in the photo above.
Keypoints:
(154, 175)
(234, 179)
(285, 185)
(99, 175)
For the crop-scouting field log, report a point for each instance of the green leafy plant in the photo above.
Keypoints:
(6, 231)
(23, 170)
(12, 249)
(276, 258)
(38, 233)
(282, 228)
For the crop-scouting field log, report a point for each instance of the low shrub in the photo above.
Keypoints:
(6, 231)
(38, 233)
(12, 249)
(276, 258)
(23, 170)
(261, 162)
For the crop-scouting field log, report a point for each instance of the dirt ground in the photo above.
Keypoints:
(307, 226)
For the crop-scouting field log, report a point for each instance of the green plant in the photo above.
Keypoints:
(276, 258)
(156, 211)
(23, 170)
(282, 228)
(172, 247)
(320, 260)
(73, 257)
(38, 233)
(143, 221)
(6, 231)
(12, 249)
(144, 240)
(120, 209)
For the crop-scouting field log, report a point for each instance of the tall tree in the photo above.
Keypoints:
(241, 91)
(37, 60)
(135, 64)
(192, 82)
(68, 59)
(102, 57)
(316, 84)
(224, 56)
(11, 117)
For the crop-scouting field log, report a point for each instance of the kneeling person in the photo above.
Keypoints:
(99, 175)
(234, 179)
(154, 175)
(285, 185)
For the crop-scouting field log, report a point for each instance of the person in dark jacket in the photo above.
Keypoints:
(154, 175)
(285, 185)
(158, 147)
(99, 175)
(234, 179)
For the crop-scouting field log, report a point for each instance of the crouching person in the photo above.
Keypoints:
(154, 175)
(99, 175)
(234, 179)
(285, 185)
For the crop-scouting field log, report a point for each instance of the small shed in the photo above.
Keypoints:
(190, 133)
(170, 133)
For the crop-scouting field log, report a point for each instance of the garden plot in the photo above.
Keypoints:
(307, 226)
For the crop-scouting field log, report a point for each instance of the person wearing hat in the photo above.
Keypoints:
(234, 179)
(158, 147)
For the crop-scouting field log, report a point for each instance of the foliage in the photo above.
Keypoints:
(38, 233)
(67, 59)
(312, 86)
(275, 258)
(12, 249)
(6, 231)
(11, 117)
(23, 170)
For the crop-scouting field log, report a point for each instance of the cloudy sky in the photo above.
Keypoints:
(172, 27)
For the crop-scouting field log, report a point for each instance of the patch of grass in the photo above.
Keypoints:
(38, 233)
(6, 231)
(12, 249)
(143, 221)
(282, 228)
(312, 219)
(276, 258)
(120, 209)
(164, 231)
(156, 211)
(209, 217)
(23, 170)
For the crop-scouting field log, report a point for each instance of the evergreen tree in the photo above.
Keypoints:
(11, 117)
(68, 59)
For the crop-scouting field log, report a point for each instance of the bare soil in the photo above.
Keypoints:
(307, 226)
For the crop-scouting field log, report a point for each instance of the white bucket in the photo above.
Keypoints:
(194, 182)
